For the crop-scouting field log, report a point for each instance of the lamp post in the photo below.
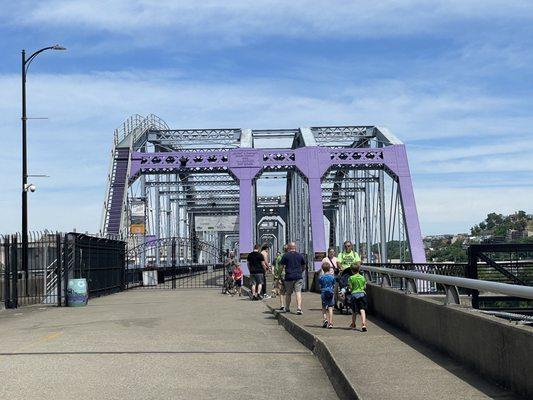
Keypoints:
(25, 186)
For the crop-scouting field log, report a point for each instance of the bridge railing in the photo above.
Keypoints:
(451, 284)
(424, 287)
(498, 271)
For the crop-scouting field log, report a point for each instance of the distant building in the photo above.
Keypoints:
(497, 239)
(513, 234)
(459, 236)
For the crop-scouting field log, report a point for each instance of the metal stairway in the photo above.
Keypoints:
(117, 189)
(128, 138)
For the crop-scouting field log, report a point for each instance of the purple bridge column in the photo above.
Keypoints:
(244, 165)
(414, 234)
(313, 163)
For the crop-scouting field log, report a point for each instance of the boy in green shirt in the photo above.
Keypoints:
(357, 285)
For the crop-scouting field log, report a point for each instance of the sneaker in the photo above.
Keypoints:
(299, 312)
(363, 328)
(325, 323)
(266, 296)
(281, 309)
(287, 310)
(330, 326)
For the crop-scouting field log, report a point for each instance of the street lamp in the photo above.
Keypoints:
(25, 186)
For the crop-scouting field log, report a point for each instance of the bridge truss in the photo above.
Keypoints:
(316, 186)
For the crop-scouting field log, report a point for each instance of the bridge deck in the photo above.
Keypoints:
(385, 363)
(155, 344)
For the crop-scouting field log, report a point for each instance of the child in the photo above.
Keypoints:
(237, 277)
(279, 288)
(357, 285)
(327, 282)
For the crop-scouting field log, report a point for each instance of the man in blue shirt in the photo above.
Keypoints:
(293, 264)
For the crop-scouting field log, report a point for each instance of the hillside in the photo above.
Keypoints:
(496, 228)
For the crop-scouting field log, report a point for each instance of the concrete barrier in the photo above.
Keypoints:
(341, 384)
(496, 349)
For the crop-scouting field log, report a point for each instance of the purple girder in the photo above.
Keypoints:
(313, 162)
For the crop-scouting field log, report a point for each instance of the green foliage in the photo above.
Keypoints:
(455, 252)
(499, 225)
(494, 225)
(396, 250)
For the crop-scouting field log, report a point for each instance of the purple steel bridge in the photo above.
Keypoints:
(231, 188)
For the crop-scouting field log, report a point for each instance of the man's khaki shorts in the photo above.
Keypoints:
(294, 286)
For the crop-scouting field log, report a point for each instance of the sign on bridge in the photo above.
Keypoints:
(227, 223)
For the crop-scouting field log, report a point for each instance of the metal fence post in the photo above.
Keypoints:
(66, 267)
(123, 262)
(471, 273)
(7, 268)
(173, 252)
(14, 273)
(58, 268)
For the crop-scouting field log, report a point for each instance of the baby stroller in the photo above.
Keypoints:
(342, 294)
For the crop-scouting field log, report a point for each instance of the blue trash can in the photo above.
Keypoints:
(77, 292)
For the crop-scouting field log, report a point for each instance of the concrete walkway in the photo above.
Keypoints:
(384, 363)
(155, 344)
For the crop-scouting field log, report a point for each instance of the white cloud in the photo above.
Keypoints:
(448, 211)
(512, 156)
(73, 146)
(446, 153)
(241, 20)
(487, 165)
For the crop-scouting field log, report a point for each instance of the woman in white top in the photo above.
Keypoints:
(331, 260)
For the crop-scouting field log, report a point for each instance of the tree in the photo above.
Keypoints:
(493, 220)
(454, 252)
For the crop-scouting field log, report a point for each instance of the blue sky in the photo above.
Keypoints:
(452, 79)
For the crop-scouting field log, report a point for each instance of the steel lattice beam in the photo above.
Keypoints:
(326, 169)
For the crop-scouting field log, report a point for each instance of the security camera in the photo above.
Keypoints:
(31, 187)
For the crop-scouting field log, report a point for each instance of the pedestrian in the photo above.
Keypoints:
(279, 286)
(344, 260)
(237, 277)
(293, 264)
(228, 263)
(266, 255)
(347, 257)
(357, 285)
(257, 267)
(327, 282)
(331, 259)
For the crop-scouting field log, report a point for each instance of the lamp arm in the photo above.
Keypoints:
(30, 58)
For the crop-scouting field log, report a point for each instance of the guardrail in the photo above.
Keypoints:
(450, 283)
